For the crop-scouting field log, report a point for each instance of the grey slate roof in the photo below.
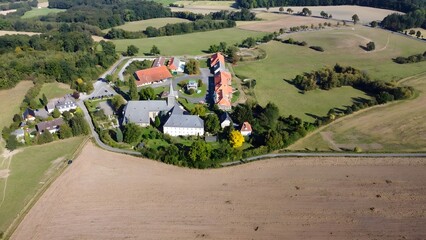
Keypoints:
(179, 119)
(225, 116)
(219, 67)
(49, 125)
(138, 111)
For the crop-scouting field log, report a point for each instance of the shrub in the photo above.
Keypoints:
(317, 48)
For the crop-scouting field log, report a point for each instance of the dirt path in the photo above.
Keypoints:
(328, 137)
(104, 195)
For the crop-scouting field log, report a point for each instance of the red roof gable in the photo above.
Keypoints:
(222, 78)
(246, 127)
(171, 65)
(152, 75)
(216, 58)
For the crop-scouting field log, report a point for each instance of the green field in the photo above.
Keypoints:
(284, 62)
(54, 90)
(37, 12)
(187, 44)
(30, 169)
(143, 24)
(10, 100)
(396, 127)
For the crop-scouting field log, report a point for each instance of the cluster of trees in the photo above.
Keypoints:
(18, 5)
(411, 59)
(399, 5)
(192, 67)
(292, 41)
(69, 57)
(328, 78)
(171, 29)
(398, 22)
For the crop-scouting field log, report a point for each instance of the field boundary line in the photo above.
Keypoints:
(21, 215)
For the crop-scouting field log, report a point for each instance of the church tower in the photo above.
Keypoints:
(171, 98)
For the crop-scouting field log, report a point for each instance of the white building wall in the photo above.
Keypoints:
(177, 131)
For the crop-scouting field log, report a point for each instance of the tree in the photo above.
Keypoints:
(117, 102)
(232, 54)
(236, 139)
(373, 24)
(274, 140)
(157, 121)
(324, 14)
(17, 118)
(412, 32)
(147, 93)
(33, 104)
(44, 100)
(199, 110)
(212, 123)
(242, 113)
(56, 113)
(12, 143)
(154, 50)
(306, 12)
(132, 50)
(192, 67)
(355, 18)
(65, 131)
(133, 90)
(289, 10)
(269, 116)
(371, 46)
(199, 151)
(418, 34)
(78, 125)
(45, 137)
(132, 133)
(281, 9)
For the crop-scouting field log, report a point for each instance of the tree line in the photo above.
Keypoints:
(411, 59)
(398, 22)
(329, 78)
(171, 29)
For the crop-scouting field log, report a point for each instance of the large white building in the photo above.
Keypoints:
(180, 124)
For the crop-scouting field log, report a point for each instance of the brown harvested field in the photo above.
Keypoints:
(345, 12)
(275, 23)
(104, 195)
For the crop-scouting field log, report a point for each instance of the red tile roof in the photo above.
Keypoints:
(152, 75)
(222, 78)
(171, 65)
(215, 58)
(159, 62)
(246, 127)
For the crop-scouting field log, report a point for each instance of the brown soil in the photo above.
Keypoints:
(104, 195)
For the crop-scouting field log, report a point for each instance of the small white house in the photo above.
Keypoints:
(225, 120)
(246, 129)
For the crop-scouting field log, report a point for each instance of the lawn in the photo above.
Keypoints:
(284, 62)
(187, 44)
(54, 90)
(143, 24)
(10, 100)
(202, 89)
(30, 169)
(396, 127)
(37, 12)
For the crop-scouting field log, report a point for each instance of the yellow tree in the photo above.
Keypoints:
(236, 139)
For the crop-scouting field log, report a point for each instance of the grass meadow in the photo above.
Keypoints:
(143, 24)
(187, 44)
(284, 62)
(37, 12)
(395, 127)
(30, 169)
(10, 100)
(54, 90)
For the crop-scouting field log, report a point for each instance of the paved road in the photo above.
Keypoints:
(114, 67)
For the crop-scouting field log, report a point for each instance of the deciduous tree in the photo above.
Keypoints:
(236, 139)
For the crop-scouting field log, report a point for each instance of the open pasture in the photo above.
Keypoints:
(274, 22)
(10, 100)
(38, 12)
(187, 44)
(143, 24)
(220, 5)
(396, 127)
(345, 12)
(54, 90)
(105, 195)
(284, 62)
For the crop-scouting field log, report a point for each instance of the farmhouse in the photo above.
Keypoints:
(246, 129)
(66, 103)
(175, 65)
(152, 75)
(51, 126)
(180, 124)
(223, 85)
